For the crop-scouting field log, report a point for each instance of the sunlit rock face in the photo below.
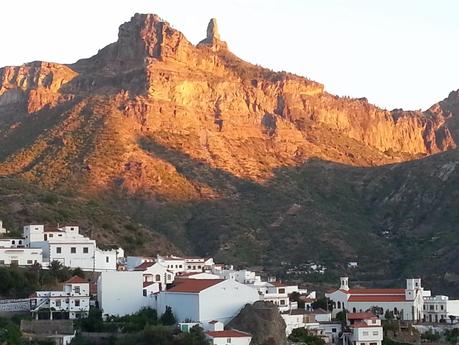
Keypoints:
(152, 84)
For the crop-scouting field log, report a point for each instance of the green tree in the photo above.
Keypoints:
(10, 333)
(301, 335)
(78, 272)
(92, 323)
(323, 303)
(194, 337)
(168, 317)
(341, 316)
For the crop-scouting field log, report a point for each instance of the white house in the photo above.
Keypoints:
(172, 263)
(2, 229)
(155, 273)
(121, 292)
(185, 264)
(203, 300)
(73, 301)
(365, 328)
(67, 246)
(440, 308)
(404, 303)
(226, 337)
(13, 251)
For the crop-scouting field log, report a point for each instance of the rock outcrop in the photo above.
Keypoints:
(263, 321)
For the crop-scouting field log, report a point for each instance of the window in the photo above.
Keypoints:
(20, 241)
(51, 235)
(282, 302)
(107, 259)
(58, 250)
(2, 262)
(29, 262)
(58, 303)
(60, 235)
(333, 330)
(77, 303)
(46, 237)
(441, 307)
(339, 305)
(13, 242)
(85, 250)
(180, 266)
(73, 250)
(144, 292)
(189, 267)
(365, 332)
(375, 332)
(158, 278)
(283, 291)
(77, 289)
(228, 340)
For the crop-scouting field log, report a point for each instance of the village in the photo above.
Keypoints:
(200, 292)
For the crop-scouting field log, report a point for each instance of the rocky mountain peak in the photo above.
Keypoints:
(212, 30)
(213, 36)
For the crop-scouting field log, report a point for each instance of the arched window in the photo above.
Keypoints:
(339, 305)
(353, 310)
(158, 278)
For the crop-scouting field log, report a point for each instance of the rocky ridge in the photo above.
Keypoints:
(184, 139)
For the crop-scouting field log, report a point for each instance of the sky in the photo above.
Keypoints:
(397, 53)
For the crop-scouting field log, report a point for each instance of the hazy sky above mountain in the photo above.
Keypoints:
(397, 53)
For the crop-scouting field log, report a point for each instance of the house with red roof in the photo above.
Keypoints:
(72, 302)
(204, 300)
(405, 303)
(364, 329)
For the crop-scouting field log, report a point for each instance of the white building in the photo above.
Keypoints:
(204, 300)
(67, 246)
(155, 273)
(225, 337)
(440, 308)
(121, 292)
(73, 301)
(185, 264)
(21, 256)
(365, 329)
(172, 263)
(407, 304)
(2, 229)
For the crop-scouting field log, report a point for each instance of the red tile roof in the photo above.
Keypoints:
(377, 291)
(232, 333)
(193, 285)
(360, 316)
(377, 298)
(143, 266)
(77, 280)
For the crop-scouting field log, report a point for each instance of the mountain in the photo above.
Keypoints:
(197, 151)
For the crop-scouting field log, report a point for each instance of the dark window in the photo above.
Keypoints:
(58, 250)
(333, 330)
(282, 302)
(107, 259)
(29, 262)
(282, 290)
(144, 292)
(85, 250)
(77, 303)
(73, 250)
(158, 278)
